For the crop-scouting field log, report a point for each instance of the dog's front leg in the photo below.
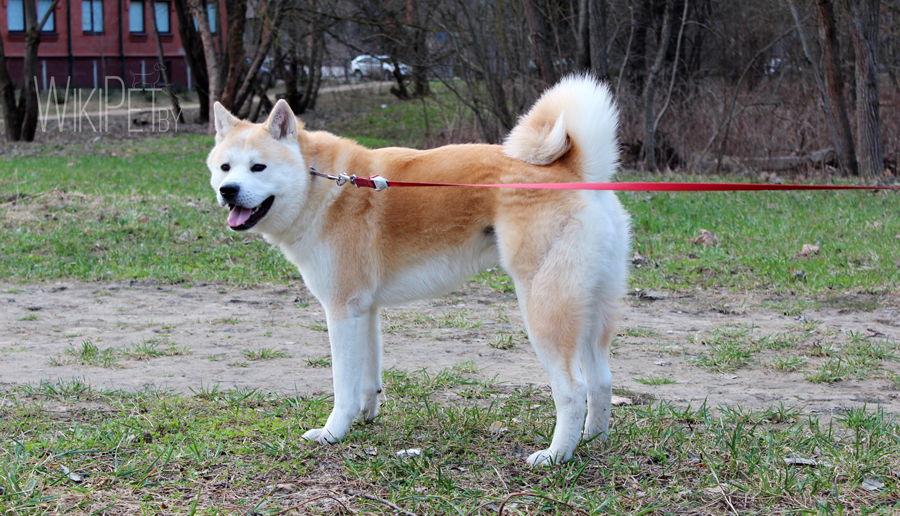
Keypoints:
(356, 368)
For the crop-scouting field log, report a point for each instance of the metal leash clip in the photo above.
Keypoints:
(377, 182)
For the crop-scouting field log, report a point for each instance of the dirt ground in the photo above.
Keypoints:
(211, 327)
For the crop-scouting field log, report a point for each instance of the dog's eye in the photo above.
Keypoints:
(259, 167)
(226, 167)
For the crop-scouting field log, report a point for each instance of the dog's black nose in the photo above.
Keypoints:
(229, 191)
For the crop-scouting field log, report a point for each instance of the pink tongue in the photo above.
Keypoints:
(237, 216)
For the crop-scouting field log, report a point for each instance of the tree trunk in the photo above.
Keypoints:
(598, 37)
(212, 63)
(637, 51)
(834, 85)
(583, 37)
(176, 107)
(649, 150)
(865, 19)
(236, 12)
(292, 93)
(28, 101)
(540, 42)
(8, 99)
(314, 79)
(421, 87)
(193, 54)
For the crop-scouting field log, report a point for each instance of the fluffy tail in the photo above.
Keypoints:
(577, 114)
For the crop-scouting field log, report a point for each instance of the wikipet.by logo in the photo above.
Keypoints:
(89, 110)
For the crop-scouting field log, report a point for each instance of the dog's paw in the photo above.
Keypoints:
(321, 436)
(546, 458)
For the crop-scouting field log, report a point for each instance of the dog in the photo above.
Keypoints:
(361, 249)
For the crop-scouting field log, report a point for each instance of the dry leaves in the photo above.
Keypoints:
(706, 238)
(808, 249)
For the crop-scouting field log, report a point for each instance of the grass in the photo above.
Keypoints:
(760, 237)
(89, 353)
(154, 348)
(822, 354)
(240, 451)
(262, 353)
(319, 362)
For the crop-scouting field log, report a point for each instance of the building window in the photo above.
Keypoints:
(15, 15)
(210, 15)
(161, 11)
(92, 16)
(136, 16)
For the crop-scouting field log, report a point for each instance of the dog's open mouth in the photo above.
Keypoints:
(242, 219)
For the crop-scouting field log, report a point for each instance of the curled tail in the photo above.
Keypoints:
(577, 114)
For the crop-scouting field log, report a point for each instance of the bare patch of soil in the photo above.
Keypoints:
(271, 337)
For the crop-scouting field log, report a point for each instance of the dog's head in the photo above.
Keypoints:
(258, 170)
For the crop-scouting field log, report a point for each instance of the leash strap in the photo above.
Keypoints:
(380, 183)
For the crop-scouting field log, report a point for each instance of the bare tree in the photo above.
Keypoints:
(195, 57)
(834, 85)
(271, 19)
(22, 117)
(236, 14)
(300, 53)
(176, 106)
(198, 8)
(649, 150)
(598, 38)
(486, 48)
(865, 20)
(539, 26)
(592, 39)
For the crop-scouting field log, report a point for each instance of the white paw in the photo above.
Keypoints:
(321, 436)
(546, 458)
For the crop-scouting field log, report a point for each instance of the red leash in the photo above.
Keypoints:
(380, 183)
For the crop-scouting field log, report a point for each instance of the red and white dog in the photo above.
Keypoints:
(360, 249)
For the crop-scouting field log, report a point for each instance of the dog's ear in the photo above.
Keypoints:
(224, 120)
(282, 123)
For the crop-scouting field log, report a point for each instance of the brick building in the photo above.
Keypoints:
(89, 40)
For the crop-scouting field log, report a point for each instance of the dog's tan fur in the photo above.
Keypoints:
(359, 249)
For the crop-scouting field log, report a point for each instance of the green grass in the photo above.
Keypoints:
(88, 353)
(319, 362)
(822, 354)
(262, 353)
(240, 451)
(760, 237)
(154, 348)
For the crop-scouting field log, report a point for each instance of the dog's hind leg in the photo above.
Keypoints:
(569, 396)
(553, 284)
(356, 366)
(594, 361)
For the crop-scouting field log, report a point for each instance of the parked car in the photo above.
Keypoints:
(375, 67)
